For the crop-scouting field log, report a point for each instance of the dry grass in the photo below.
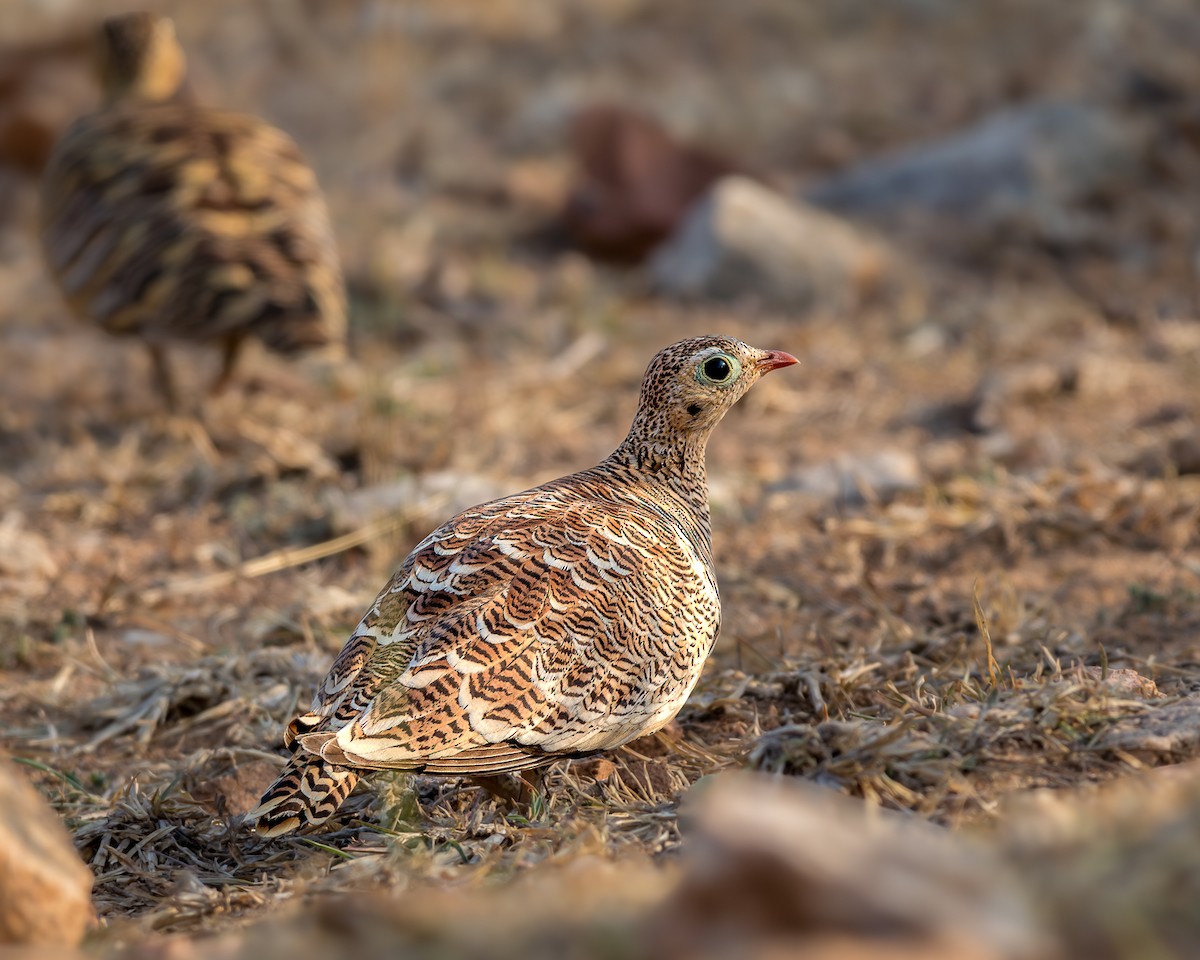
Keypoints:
(171, 589)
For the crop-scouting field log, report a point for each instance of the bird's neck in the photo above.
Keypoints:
(151, 93)
(163, 78)
(674, 466)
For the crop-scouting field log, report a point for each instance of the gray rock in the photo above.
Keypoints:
(1121, 681)
(1001, 389)
(45, 889)
(1167, 734)
(1087, 375)
(442, 492)
(744, 240)
(1184, 453)
(850, 479)
(1043, 153)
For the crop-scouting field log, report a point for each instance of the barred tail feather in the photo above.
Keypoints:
(308, 792)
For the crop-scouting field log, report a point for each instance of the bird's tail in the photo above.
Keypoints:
(308, 792)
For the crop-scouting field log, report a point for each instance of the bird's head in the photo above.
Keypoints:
(690, 385)
(139, 58)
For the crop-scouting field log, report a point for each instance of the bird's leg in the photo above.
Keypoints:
(163, 379)
(231, 348)
(518, 790)
(186, 424)
(501, 786)
(532, 782)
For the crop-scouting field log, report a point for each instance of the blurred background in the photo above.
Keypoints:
(958, 546)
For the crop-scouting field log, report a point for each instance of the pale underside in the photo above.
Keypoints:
(563, 621)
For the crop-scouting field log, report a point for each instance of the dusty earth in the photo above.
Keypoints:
(172, 587)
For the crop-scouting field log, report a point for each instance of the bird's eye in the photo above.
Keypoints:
(718, 369)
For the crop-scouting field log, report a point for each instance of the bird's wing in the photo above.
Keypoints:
(533, 626)
(197, 222)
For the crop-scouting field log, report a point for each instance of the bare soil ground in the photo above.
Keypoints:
(157, 626)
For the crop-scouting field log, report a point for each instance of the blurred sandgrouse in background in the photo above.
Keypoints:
(568, 619)
(171, 221)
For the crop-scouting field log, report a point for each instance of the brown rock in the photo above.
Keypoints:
(43, 86)
(45, 890)
(634, 183)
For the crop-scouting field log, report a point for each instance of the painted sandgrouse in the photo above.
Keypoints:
(565, 620)
(170, 221)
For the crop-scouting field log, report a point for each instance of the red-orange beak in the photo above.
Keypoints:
(775, 359)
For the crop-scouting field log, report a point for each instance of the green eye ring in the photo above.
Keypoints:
(718, 369)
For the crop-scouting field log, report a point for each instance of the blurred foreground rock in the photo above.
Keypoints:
(743, 240)
(776, 867)
(1115, 863)
(634, 182)
(1033, 158)
(781, 862)
(45, 889)
(581, 907)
